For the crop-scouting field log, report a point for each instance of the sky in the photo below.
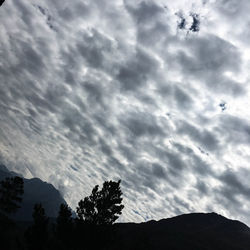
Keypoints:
(155, 93)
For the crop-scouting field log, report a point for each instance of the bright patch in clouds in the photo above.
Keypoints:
(99, 90)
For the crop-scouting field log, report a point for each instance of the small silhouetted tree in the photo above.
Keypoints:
(37, 234)
(64, 227)
(11, 191)
(102, 207)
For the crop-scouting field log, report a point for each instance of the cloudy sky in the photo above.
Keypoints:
(155, 93)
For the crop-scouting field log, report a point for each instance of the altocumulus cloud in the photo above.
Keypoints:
(97, 90)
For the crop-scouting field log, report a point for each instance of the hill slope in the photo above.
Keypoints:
(35, 191)
(185, 232)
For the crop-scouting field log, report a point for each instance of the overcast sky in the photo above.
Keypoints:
(155, 93)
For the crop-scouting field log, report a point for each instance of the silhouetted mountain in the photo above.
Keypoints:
(185, 232)
(35, 191)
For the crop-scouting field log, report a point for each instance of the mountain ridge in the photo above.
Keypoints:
(196, 231)
(35, 191)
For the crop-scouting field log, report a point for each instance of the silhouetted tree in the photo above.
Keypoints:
(96, 214)
(64, 227)
(37, 234)
(11, 191)
(1, 2)
(102, 207)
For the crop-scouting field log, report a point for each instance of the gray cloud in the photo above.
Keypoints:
(183, 99)
(235, 129)
(96, 90)
(136, 72)
(207, 139)
(142, 124)
(208, 58)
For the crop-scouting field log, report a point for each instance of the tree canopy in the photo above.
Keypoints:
(64, 226)
(102, 207)
(37, 234)
(11, 191)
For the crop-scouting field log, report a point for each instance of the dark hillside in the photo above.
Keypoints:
(35, 191)
(192, 231)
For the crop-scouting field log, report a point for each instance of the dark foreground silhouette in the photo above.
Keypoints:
(197, 231)
(185, 232)
(93, 226)
(1, 2)
(35, 191)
